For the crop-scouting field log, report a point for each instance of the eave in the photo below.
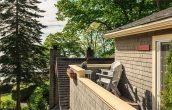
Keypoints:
(154, 26)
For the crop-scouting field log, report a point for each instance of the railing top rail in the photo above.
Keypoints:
(96, 65)
(78, 70)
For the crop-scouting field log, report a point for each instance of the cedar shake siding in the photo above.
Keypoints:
(139, 79)
(136, 81)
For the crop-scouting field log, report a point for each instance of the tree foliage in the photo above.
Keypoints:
(69, 44)
(39, 98)
(22, 57)
(108, 14)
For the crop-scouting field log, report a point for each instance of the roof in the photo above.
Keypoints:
(164, 14)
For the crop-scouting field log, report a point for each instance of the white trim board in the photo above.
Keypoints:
(154, 26)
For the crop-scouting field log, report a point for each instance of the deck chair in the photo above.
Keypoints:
(109, 78)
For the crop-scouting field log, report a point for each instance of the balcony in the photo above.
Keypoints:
(85, 94)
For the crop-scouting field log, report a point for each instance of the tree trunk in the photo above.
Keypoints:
(91, 37)
(141, 7)
(18, 105)
(0, 100)
(95, 43)
(18, 69)
(158, 4)
(121, 4)
(104, 48)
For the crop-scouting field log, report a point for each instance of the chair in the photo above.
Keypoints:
(104, 74)
(89, 73)
(110, 80)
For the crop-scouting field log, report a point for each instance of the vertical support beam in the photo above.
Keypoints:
(53, 79)
(56, 90)
(56, 83)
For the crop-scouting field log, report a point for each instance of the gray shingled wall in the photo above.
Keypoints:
(136, 81)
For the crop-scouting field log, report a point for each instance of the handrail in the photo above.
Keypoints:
(96, 65)
(99, 65)
(78, 70)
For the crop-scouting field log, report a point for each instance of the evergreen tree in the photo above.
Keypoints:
(20, 41)
(167, 93)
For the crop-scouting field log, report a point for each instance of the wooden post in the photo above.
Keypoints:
(52, 87)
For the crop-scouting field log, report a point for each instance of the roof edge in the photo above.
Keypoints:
(153, 26)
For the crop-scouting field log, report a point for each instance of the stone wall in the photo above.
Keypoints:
(136, 82)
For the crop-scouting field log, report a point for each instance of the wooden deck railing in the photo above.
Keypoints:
(89, 95)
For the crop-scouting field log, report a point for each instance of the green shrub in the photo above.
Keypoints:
(167, 93)
(25, 108)
(8, 105)
(39, 98)
(25, 93)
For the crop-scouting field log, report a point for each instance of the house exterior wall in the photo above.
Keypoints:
(136, 81)
(139, 79)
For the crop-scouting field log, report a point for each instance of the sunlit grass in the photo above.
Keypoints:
(5, 97)
(8, 97)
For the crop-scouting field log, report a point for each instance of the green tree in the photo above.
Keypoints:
(67, 42)
(39, 98)
(20, 41)
(109, 14)
(167, 93)
(162, 4)
(93, 37)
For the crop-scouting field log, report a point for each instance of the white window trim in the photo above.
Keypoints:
(158, 76)
(155, 39)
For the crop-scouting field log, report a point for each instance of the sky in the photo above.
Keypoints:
(49, 18)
